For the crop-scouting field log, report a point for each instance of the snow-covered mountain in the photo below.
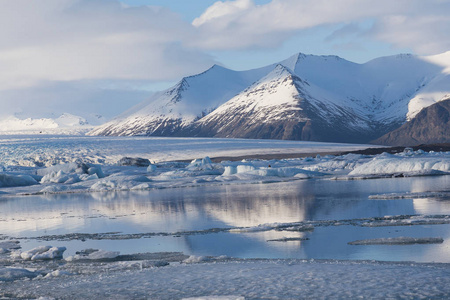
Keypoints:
(279, 106)
(169, 112)
(64, 124)
(305, 97)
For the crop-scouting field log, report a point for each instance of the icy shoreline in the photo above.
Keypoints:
(31, 165)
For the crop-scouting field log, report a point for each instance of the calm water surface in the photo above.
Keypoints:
(170, 211)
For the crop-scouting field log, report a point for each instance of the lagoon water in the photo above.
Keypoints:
(194, 220)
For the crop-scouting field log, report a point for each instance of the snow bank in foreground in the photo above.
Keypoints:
(249, 279)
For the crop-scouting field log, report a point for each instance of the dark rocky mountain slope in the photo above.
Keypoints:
(430, 126)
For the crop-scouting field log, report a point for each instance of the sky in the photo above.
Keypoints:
(104, 56)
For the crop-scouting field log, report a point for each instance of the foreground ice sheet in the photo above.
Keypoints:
(76, 164)
(241, 279)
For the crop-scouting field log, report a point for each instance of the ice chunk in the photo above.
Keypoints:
(93, 254)
(238, 169)
(96, 170)
(16, 180)
(7, 246)
(201, 164)
(142, 186)
(229, 170)
(41, 253)
(151, 168)
(250, 169)
(409, 165)
(244, 168)
(73, 167)
(70, 173)
(11, 274)
(195, 259)
(59, 177)
(133, 161)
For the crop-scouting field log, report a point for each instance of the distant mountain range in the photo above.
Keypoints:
(305, 97)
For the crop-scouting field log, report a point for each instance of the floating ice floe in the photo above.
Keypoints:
(407, 221)
(391, 196)
(399, 241)
(93, 254)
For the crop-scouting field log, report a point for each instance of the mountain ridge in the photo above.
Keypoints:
(342, 100)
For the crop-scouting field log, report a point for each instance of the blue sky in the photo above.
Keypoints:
(312, 41)
(94, 47)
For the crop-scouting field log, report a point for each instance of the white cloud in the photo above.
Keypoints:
(92, 39)
(66, 40)
(426, 34)
(416, 24)
(53, 53)
(224, 10)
